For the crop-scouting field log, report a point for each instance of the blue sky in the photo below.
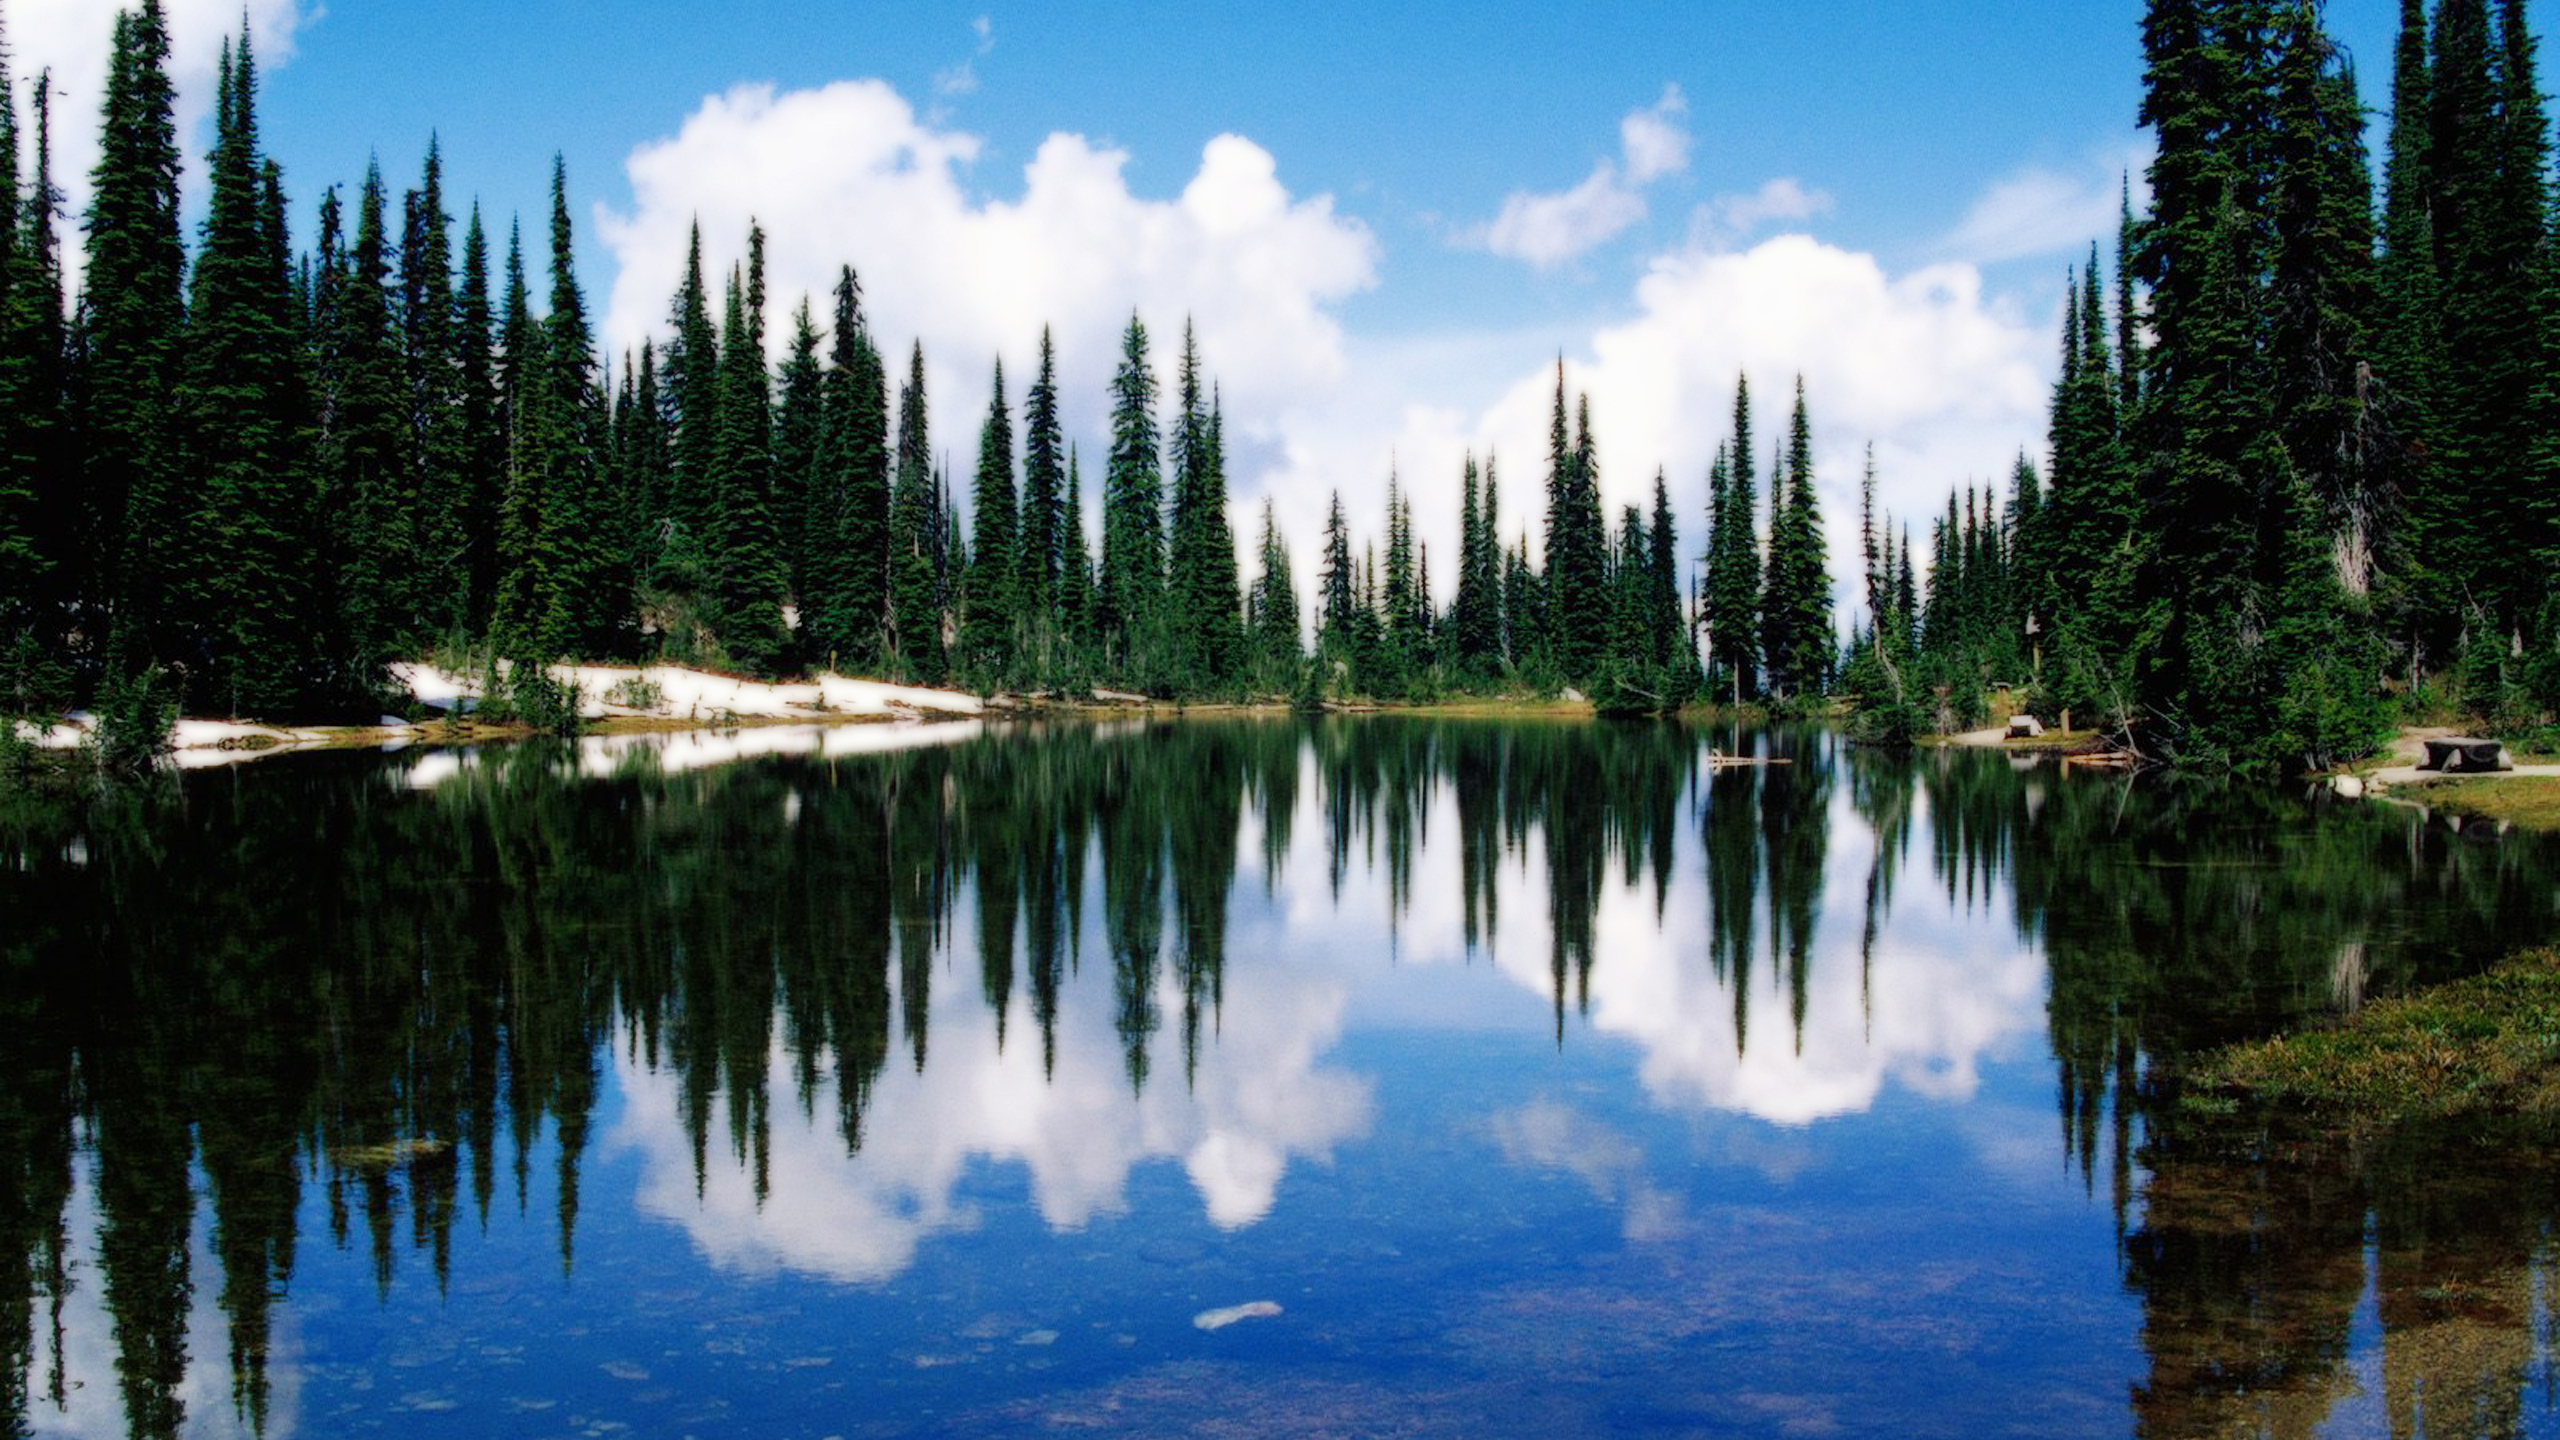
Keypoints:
(1413, 212)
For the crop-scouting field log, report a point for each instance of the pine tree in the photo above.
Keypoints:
(1577, 597)
(244, 414)
(484, 443)
(516, 608)
(1733, 559)
(30, 553)
(1075, 561)
(1272, 609)
(916, 552)
(369, 486)
(1340, 588)
(133, 318)
(748, 566)
(1037, 557)
(36, 433)
(1630, 651)
(799, 424)
(1206, 629)
(693, 384)
(437, 453)
(1398, 655)
(586, 593)
(987, 634)
(2409, 341)
(1128, 604)
(847, 516)
(1796, 634)
(1475, 613)
(1667, 631)
(1524, 610)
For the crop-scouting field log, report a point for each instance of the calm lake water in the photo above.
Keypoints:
(1484, 1078)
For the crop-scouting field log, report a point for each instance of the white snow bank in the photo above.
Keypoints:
(673, 752)
(679, 694)
(683, 694)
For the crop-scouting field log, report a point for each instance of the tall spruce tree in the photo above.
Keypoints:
(1733, 560)
(1796, 635)
(988, 632)
(242, 403)
(1129, 601)
(484, 441)
(516, 608)
(587, 602)
(693, 386)
(37, 441)
(848, 509)
(2409, 348)
(369, 485)
(1075, 562)
(916, 547)
(747, 562)
(1271, 609)
(1475, 613)
(1667, 646)
(799, 422)
(437, 449)
(1340, 588)
(133, 319)
(1037, 547)
(1578, 600)
(1206, 629)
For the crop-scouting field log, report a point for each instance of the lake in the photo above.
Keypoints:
(1375, 1076)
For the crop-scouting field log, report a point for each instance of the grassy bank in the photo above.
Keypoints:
(2532, 801)
(2487, 1045)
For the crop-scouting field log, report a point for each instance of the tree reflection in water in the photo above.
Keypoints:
(403, 981)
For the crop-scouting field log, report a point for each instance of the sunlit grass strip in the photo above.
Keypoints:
(2488, 1045)
(2532, 801)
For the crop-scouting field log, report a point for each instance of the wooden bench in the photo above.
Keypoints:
(2464, 755)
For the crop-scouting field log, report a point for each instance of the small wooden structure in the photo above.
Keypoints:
(2464, 755)
(2025, 727)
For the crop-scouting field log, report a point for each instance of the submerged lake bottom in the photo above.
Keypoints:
(1387, 1075)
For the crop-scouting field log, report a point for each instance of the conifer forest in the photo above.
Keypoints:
(1501, 788)
(2302, 478)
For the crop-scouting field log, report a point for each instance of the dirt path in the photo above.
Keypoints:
(2410, 746)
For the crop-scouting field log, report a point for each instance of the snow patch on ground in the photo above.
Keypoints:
(675, 693)
(682, 694)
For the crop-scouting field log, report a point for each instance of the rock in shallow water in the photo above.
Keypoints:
(1220, 1319)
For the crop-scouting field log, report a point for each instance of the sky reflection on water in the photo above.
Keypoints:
(932, 1080)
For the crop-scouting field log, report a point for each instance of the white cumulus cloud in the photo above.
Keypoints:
(1944, 380)
(849, 173)
(1547, 229)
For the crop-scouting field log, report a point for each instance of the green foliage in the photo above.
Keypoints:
(136, 714)
(916, 554)
(1576, 589)
(1205, 630)
(1128, 604)
(544, 701)
(634, 692)
(988, 633)
(1795, 603)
